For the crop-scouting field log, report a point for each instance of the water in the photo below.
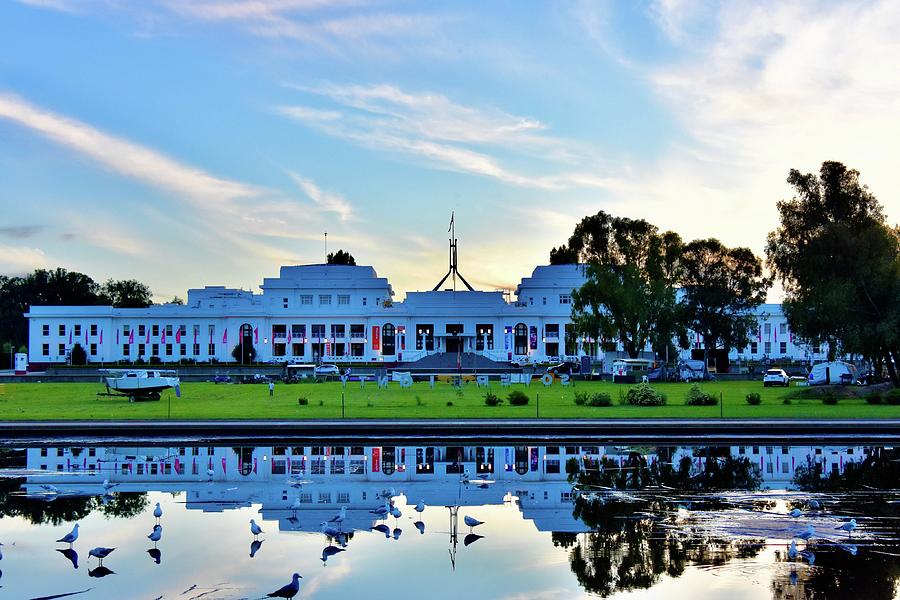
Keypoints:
(638, 522)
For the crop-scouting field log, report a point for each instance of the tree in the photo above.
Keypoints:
(127, 293)
(79, 355)
(563, 256)
(177, 300)
(244, 354)
(721, 287)
(632, 270)
(341, 258)
(839, 263)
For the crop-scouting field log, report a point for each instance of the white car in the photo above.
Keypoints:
(327, 370)
(776, 377)
(522, 361)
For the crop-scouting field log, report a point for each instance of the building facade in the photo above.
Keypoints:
(346, 314)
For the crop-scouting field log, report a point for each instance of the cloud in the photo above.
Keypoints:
(124, 157)
(324, 200)
(20, 232)
(16, 260)
(444, 134)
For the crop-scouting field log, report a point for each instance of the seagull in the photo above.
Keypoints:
(339, 518)
(847, 526)
(71, 555)
(100, 552)
(848, 548)
(254, 528)
(807, 533)
(471, 522)
(383, 529)
(156, 534)
(329, 531)
(420, 507)
(814, 504)
(796, 512)
(792, 550)
(107, 485)
(50, 488)
(388, 493)
(381, 511)
(210, 473)
(70, 537)
(255, 545)
(296, 505)
(471, 538)
(290, 590)
(396, 533)
(395, 512)
(420, 526)
(157, 512)
(328, 552)
(809, 555)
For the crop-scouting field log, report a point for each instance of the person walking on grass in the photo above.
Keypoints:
(271, 389)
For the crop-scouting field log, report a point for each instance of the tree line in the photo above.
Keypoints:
(834, 253)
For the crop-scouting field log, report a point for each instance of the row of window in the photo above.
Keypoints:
(325, 300)
(782, 348)
(563, 299)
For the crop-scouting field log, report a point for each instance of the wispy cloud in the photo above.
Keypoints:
(124, 157)
(20, 232)
(15, 260)
(448, 135)
(325, 201)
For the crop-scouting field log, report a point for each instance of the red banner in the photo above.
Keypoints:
(376, 337)
(376, 460)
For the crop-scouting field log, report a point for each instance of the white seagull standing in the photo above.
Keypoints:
(70, 537)
(290, 590)
(848, 526)
(796, 512)
(157, 512)
(807, 533)
(471, 522)
(100, 552)
(339, 518)
(254, 528)
(792, 550)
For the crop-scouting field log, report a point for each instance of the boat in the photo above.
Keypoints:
(140, 384)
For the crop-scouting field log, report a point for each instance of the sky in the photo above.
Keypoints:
(209, 142)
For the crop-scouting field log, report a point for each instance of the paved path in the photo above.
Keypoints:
(600, 431)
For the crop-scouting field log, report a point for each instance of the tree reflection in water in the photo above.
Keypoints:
(66, 509)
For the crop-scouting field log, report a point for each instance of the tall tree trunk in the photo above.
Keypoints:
(893, 361)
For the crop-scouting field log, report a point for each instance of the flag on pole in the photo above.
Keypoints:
(196, 333)
(147, 338)
(117, 336)
(452, 216)
(775, 332)
(70, 335)
(759, 334)
(85, 335)
(256, 335)
(225, 336)
(162, 340)
(131, 336)
(101, 335)
(178, 335)
(289, 336)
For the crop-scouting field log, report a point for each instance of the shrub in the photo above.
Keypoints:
(419, 401)
(449, 403)
(322, 403)
(892, 397)
(829, 399)
(753, 399)
(79, 355)
(600, 399)
(581, 398)
(644, 395)
(873, 399)
(302, 400)
(697, 397)
(517, 398)
(786, 401)
(491, 399)
(155, 360)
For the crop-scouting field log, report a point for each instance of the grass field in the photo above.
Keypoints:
(204, 401)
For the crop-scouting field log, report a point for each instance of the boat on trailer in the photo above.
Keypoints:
(140, 384)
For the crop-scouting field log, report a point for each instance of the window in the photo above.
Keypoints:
(61, 350)
(742, 450)
(324, 299)
(784, 467)
(770, 468)
(45, 329)
(565, 298)
(531, 301)
(284, 303)
(212, 330)
(126, 330)
(93, 349)
(364, 300)
(782, 328)
(754, 347)
(817, 349)
(93, 329)
(142, 330)
(782, 347)
(62, 330)
(337, 331)
(211, 350)
(388, 341)
(306, 299)
(168, 349)
(768, 347)
(196, 349)
(196, 330)
(78, 331)
(343, 299)
(142, 349)
(154, 330)
(318, 331)
(45, 349)
(168, 330)
(154, 349)
(544, 301)
(767, 329)
(182, 349)
(182, 329)
(126, 350)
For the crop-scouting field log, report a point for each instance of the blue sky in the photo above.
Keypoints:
(208, 142)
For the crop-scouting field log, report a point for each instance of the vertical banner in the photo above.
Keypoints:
(376, 337)
(534, 459)
(376, 460)
(533, 337)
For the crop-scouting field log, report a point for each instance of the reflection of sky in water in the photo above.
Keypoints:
(206, 543)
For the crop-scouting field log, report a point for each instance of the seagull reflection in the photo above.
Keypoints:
(155, 554)
(255, 545)
(100, 571)
(155, 535)
(471, 538)
(328, 552)
(420, 526)
(71, 555)
(381, 527)
(396, 533)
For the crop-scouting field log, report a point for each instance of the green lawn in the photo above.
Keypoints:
(51, 401)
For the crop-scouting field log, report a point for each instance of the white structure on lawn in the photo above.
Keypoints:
(343, 314)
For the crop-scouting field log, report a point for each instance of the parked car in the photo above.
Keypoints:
(522, 361)
(776, 377)
(566, 367)
(221, 379)
(327, 370)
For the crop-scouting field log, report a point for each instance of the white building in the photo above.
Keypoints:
(344, 314)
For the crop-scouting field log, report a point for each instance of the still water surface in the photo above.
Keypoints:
(632, 522)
